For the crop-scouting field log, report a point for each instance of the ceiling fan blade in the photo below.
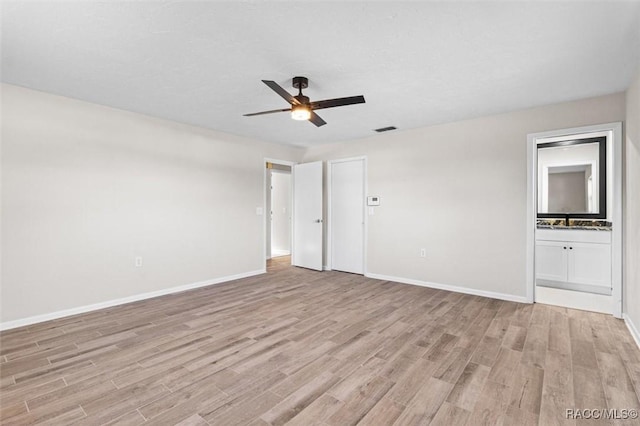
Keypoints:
(315, 119)
(280, 91)
(267, 112)
(331, 103)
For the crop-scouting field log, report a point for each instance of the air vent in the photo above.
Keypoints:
(385, 129)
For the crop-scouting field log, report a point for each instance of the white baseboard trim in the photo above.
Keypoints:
(135, 298)
(457, 289)
(632, 328)
(575, 299)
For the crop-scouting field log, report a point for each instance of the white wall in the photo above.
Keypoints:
(459, 190)
(631, 289)
(86, 189)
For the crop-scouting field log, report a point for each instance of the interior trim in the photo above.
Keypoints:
(585, 288)
(453, 288)
(632, 329)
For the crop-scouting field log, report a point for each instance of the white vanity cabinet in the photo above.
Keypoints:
(551, 260)
(574, 260)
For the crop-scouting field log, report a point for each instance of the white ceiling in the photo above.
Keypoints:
(416, 63)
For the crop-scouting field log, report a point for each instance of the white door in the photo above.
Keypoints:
(307, 215)
(346, 221)
(551, 260)
(280, 213)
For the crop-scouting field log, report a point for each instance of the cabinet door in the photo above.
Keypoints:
(590, 263)
(551, 260)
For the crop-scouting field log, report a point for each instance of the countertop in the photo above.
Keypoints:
(575, 227)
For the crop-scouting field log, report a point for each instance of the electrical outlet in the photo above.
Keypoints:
(138, 262)
(423, 252)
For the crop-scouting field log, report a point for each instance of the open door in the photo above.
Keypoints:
(307, 215)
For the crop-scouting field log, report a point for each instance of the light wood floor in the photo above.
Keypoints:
(302, 347)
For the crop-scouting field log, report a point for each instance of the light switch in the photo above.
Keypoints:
(373, 201)
(259, 211)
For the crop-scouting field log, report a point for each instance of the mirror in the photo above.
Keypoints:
(572, 179)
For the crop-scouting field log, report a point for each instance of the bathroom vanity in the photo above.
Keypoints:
(578, 260)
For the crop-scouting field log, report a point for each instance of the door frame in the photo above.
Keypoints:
(365, 232)
(614, 157)
(266, 219)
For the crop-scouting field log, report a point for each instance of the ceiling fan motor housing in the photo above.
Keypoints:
(304, 100)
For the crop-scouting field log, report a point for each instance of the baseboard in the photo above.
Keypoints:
(575, 299)
(457, 289)
(632, 329)
(115, 302)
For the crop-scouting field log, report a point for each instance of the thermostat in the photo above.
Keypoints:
(373, 201)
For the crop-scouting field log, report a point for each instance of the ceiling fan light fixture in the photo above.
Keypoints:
(301, 107)
(300, 112)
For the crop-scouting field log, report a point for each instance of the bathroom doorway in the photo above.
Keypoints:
(574, 228)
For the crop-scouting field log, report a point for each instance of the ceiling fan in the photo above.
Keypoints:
(301, 107)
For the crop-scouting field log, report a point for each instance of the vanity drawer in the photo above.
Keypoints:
(582, 236)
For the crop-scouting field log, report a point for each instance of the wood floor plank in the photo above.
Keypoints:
(318, 412)
(492, 404)
(414, 378)
(300, 399)
(469, 386)
(554, 404)
(526, 391)
(303, 347)
(515, 337)
(613, 371)
(385, 412)
(505, 365)
(450, 415)
(426, 403)
(360, 402)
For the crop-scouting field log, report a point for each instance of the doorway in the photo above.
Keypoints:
(304, 215)
(574, 247)
(280, 211)
(278, 204)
